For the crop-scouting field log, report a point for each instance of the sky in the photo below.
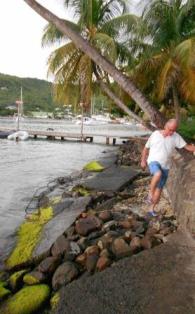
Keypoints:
(21, 30)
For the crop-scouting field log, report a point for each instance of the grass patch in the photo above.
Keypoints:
(28, 236)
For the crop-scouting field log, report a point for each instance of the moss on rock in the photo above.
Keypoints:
(94, 166)
(15, 279)
(28, 236)
(55, 300)
(81, 190)
(4, 292)
(30, 279)
(26, 301)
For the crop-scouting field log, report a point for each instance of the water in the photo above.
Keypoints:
(27, 165)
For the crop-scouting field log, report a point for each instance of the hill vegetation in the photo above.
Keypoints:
(37, 94)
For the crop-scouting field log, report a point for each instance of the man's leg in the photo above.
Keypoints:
(153, 185)
(156, 197)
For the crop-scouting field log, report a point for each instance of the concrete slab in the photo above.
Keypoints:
(112, 179)
(56, 227)
(160, 280)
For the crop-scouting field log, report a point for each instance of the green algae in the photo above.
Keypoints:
(55, 300)
(26, 301)
(94, 166)
(28, 236)
(30, 280)
(81, 190)
(4, 292)
(55, 200)
(16, 278)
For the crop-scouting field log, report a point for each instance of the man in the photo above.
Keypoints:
(157, 154)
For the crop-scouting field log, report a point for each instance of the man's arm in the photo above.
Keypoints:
(190, 148)
(144, 157)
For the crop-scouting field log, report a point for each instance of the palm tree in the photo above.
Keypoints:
(125, 83)
(100, 23)
(169, 58)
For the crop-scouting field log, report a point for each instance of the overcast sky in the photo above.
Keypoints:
(21, 30)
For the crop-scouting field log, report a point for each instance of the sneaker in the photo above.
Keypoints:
(152, 213)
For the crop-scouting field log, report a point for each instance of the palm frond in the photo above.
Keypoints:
(106, 45)
(185, 53)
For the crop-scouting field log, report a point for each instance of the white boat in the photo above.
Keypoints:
(18, 136)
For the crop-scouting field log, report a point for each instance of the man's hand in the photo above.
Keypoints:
(143, 164)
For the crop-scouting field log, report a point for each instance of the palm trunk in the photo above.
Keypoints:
(176, 104)
(120, 104)
(125, 83)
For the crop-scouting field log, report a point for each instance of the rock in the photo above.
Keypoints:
(120, 248)
(60, 246)
(64, 274)
(105, 215)
(135, 244)
(34, 277)
(102, 263)
(146, 243)
(81, 259)
(83, 243)
(110, 225)
(16, 279)
(28, 300)
(105, 253)
(86, 225)
(151, 231)
(72, 251)
(124, 224)
(95, 235)
(54, 301)
(61, 206)
(4, 292)
(93, 249)
(49, 265)
(91, 262)
(127, 236)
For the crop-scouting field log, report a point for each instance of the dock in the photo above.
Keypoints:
(63, 136)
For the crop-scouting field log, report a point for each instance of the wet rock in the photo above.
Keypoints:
(105, 253)
(60, 246)
(34, 277)
(86, 225)
(103, 262)
(91, 262)
(64, 274)
(95, 235)
(135, 244)
(44, 201)
(120, 248)
(83, 243)
(105, 215)
(127, 236)
(49, 265)
(61, 206)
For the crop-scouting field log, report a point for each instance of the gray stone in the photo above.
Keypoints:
(120, 248)
(91, 262)
(64, 274)
(60, 246)
(48, 265)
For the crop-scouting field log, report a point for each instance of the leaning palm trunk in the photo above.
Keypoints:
(107, 66)
(176, 104)
(120, 104)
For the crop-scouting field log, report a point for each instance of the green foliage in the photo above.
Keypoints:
(37, 94)
(187, 129)
(28, 300)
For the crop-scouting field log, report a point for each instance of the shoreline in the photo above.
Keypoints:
(104, 230)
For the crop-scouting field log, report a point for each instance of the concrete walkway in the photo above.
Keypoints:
(156, 281)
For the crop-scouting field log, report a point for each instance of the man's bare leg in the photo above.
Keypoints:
(156, 197)
(153, 185)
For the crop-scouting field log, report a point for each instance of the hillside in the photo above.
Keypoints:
(37, 94)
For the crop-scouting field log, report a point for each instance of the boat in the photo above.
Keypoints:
(18, 136)
(5, 134)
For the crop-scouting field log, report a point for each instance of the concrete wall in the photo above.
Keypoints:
(181, 190)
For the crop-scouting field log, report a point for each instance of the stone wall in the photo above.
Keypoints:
(181, 190)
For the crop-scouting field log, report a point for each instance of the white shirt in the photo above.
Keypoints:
(162, 148)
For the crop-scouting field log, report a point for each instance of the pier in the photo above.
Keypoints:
(63, 136)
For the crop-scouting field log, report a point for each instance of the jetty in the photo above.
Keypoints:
(81, 137)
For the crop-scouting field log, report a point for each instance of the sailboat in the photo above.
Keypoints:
(19, 134)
